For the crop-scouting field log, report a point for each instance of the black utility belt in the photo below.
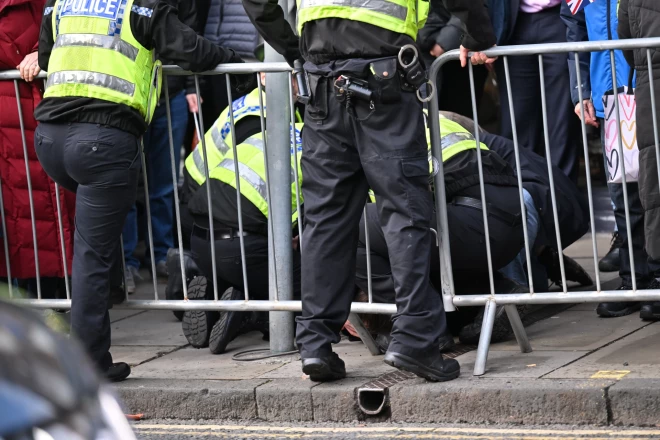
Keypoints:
(507, 217)
(219, 233)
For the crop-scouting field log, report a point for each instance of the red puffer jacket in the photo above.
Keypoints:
(20, 21)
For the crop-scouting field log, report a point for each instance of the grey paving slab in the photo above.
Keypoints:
(514, 364)
(524, 401)
(190, 399)
(136, 354)
(575, 331)
(150, 328)
(287, 400)
(583, 248)
(191, 363)
(637, 353)
(359, 363)
(118, 314)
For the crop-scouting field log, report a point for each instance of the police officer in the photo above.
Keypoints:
(364, 128)
(218, 329)
(103, 85)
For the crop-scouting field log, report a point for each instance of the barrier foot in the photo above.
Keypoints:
(484, 339)
(518, 328)
(364, 334)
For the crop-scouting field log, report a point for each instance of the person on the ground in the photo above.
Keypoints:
(536, 22)
(218, 329)
(19, 38)
(598, 21)
(364, 128)
(463, 223)
(159, 170)
(103, 87)
(641, 19)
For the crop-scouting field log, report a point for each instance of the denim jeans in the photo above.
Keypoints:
(644, 266)
(515, 270)
(159, 175)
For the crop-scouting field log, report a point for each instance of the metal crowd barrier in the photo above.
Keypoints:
(277, 144)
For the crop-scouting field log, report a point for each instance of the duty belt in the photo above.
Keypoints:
(507, 217)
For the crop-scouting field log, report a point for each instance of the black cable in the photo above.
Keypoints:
(238, 356)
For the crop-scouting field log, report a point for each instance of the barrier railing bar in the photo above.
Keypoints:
(175, 184)
(30, 194)
(446, 273)
(654, 112)
(202, 139)
(271, 259)
(633, 272)
(294, 145)
(516, 149)
(238, 189)
(484, 339)
(5, 242)
(548, 157)
(62, 242)
(482, 188)
(583, 126)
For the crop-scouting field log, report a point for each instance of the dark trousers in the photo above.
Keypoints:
(563, 126)
(229, 267)
(343, 155)
(101, 165)
(466, 243)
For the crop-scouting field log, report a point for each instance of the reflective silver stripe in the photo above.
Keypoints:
(454, 138)
(256, 143)
(247, 174)
(99, 41)
(218, 140)
(199, 161)
(381, 6)
(91, 78)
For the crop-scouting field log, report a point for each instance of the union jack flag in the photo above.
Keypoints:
(577, 5)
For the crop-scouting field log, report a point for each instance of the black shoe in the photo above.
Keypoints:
(617, 309)
(118, 372)
(324, 369)
(229, 325)
(650, 311)
(174, 289)
(197, 324)
(549, 258)
(117, 296)
(612, 260)
(383, 342)
(446, 343)
(434, 368)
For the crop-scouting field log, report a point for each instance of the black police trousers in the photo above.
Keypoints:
(228, 262)
(101, 165)
(383, 147)
(467, 243)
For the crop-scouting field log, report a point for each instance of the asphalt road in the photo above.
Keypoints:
(169, 431)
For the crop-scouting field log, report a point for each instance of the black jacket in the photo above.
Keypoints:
(641, 19)
(331, 39)
(573, 209)
(162, 31)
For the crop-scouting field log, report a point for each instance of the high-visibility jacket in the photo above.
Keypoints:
(252, 171)
(219, 136)
(454, 139)
(400, 16)
(95, 55)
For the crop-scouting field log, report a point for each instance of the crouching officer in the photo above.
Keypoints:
(364, 128)
(219, 329)
(103, 85)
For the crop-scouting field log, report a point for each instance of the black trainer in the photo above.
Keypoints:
(612, 260)
(324, 369)
(549, 258)
(434, 368)
(174, 289)
(617, 309)
(118, 372)
(197, 324)
(229, 325)
(650, 311)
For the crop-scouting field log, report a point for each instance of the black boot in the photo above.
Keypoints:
(174, 289)
(118, 372)
(434, 367)
(617, 309)
(574, 272)
(324, 369)
(197, 324)
(229, 324)
(612, 261)
(650, 311)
